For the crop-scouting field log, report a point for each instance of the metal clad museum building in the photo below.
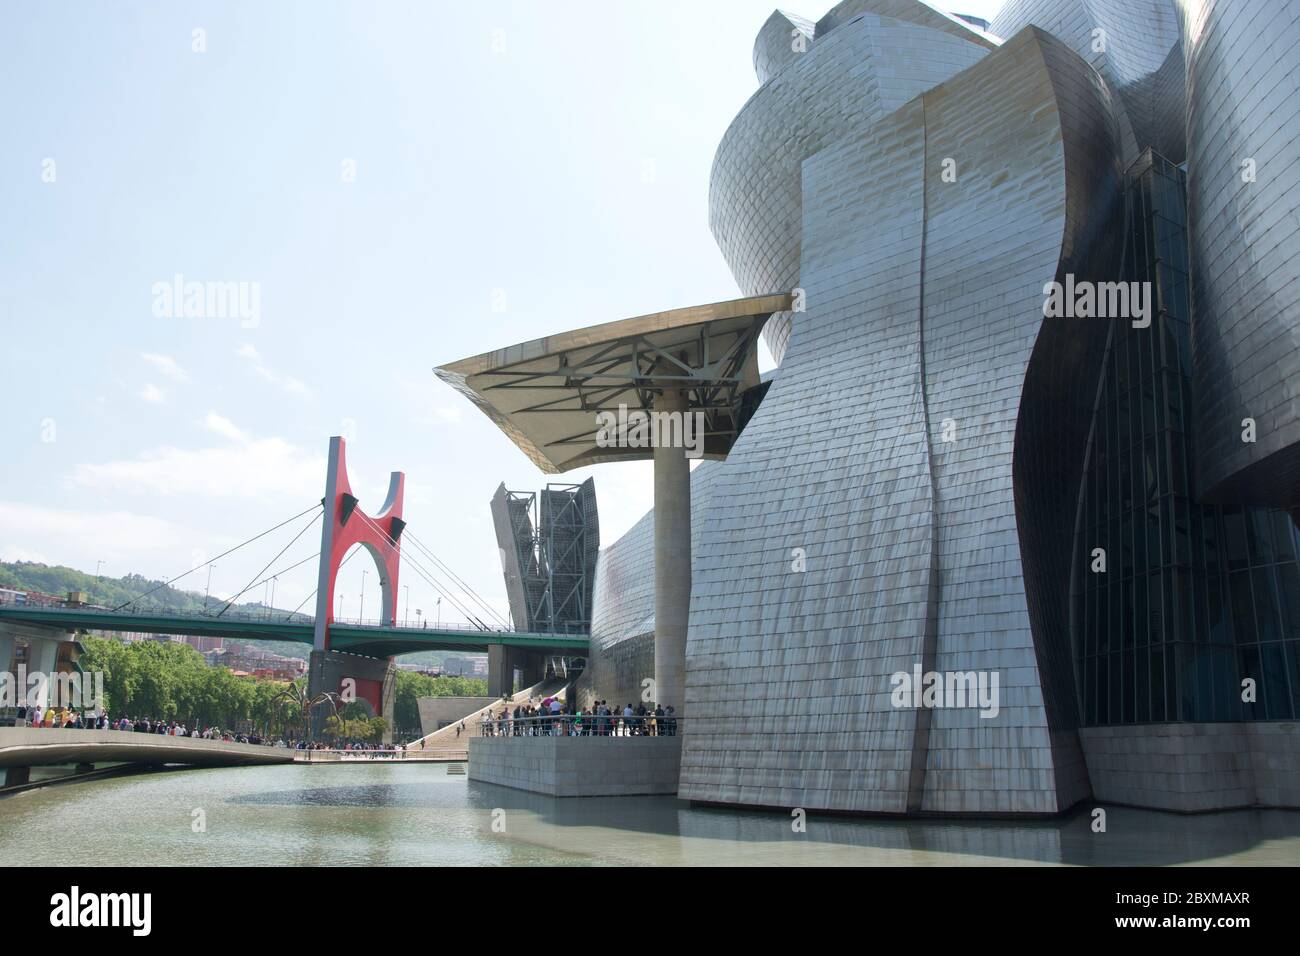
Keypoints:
(936, 465)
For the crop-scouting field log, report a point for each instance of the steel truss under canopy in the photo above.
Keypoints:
(546, 394)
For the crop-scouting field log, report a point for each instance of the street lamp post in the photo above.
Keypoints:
(439, 622)
(362, 612)
(406, 615)
(208, 589)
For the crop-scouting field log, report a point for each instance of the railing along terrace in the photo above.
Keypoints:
(582, 725)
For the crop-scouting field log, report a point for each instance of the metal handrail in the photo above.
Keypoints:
(590, 725)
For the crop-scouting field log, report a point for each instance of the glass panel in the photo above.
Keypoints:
(1157, 685)
(1182, 628)
(1142, 687)
(1101, 699)
(1177, 417)
(1217, 625)
(1283, 546)
(1293, 672)
(1189, 684)
(1274, 692)
(1148, 398)
(1114, 688)
(1259, 532)
(1288, 579)
(1210, 529)
(1182, 553)
(1234, 529)
(1267, 617)
(1129, 687)
(1177, 466)
(1138, 635)
(1243, 612)
(1171, 686)
(1123, 422)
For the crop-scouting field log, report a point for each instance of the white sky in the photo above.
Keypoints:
(568, 170)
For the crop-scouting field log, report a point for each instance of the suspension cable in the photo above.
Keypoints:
(299, 564)
(424, 549)
(217, 558)
(291, 543)
(429, 578)
(425, 574)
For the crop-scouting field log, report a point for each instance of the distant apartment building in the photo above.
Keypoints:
(255, 662)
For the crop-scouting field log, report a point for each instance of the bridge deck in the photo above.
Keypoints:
(371, 640)
(42, 746)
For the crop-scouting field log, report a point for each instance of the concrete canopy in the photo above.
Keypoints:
(546, 394)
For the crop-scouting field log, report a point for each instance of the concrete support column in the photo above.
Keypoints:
(42, 656)
(532, 668)
(501, 672)
(672, 562)
(6, 652)
(17, 776)
(326, 671)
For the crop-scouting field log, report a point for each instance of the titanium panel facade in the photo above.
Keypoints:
(1134, 45)
(867, 58)
(1243, 93)
(926, 307)
(934, 458)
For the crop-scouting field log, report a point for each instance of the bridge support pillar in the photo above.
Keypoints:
(372, 680)
(17, 776)
(42, 656)
(501, 676)
(7, 653)
(504, 661)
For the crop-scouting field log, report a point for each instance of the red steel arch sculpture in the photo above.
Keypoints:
(346, 525)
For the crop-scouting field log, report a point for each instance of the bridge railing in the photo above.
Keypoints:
(319, 755)
(584, 725)
(244, 615)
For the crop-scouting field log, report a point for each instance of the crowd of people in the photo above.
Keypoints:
(69, 719)
(553, 718)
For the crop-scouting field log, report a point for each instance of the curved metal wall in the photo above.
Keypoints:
(780, 40)
(1139, 55)
(1243, 82)
(913, 543)
(849, 77)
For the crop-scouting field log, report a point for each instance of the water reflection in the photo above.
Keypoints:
(1133, 837)
(420, 815)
